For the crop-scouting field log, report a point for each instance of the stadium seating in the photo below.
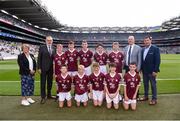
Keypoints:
(14, 30)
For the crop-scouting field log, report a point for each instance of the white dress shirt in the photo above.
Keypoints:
(30, 62)
(146, 52)
(127, 55)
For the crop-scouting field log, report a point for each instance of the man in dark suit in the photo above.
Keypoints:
(45, 68)
(150, 68)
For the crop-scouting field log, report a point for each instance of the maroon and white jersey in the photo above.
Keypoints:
(112, 83)
(101, 58)
(97, 81)
(131, 83)
(117, 57)
(58, 61)
(81, 84)
(85, 57)
(72, 59)
(64, 83)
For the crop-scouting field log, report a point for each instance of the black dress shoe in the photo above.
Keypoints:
(51, 97)
(56, 99)
(43, 100)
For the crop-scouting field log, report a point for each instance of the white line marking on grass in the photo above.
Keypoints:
(170, 79)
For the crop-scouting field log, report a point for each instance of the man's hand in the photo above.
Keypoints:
(39, 70)
(154, 74)
(32, 72)
(54, 75)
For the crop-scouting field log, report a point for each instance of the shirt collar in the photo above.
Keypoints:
(85, 51)
(132, 74)
(81, 76)
(148, 47)
(71, 50)
(97, 74)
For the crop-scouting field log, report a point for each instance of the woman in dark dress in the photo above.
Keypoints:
(27, 69)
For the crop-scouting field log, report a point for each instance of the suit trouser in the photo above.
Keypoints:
(46, 76)
(152, 79)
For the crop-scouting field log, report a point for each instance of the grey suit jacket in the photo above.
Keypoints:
(135, 55)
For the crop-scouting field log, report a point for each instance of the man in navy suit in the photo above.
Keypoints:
(45, 68)
(150, 68)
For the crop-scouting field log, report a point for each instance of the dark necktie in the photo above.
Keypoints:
(49, 48)
(129, 55)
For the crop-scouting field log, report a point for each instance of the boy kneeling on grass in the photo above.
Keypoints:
(131, 87)
(97, 86)
(81, 85)
(112, 87)
(64, 82)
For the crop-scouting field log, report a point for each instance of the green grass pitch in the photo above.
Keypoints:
(168, 106)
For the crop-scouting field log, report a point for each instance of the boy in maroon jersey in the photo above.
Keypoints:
(97, 87)
(64, 87)
(81, 85)
(112, 87)
(86, 57)
(116, 57)
(72, 59)
(59, 59)
(101, 57)
(131, 87)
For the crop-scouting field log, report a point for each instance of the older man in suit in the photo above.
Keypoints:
(132, 53)
(150, 68)
(45, 68)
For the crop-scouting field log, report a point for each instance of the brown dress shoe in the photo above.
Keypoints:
(153, 102)
(143, 99)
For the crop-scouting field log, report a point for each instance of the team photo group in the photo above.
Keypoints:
(114, 76)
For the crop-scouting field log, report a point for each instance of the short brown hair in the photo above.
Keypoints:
(148, 37)
(71, 42)
(95, 64)
(63, 65)
(133, 63)
(99, 44)
(112, 65)
(84, 41)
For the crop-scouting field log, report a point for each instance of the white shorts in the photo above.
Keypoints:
(81, 98)
(88, 70)
(114, 100)
(97, 95)
(64, 96)
(72, 73)
(103, 69)
(130, 101)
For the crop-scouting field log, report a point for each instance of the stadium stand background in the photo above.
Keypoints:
(30, 22)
